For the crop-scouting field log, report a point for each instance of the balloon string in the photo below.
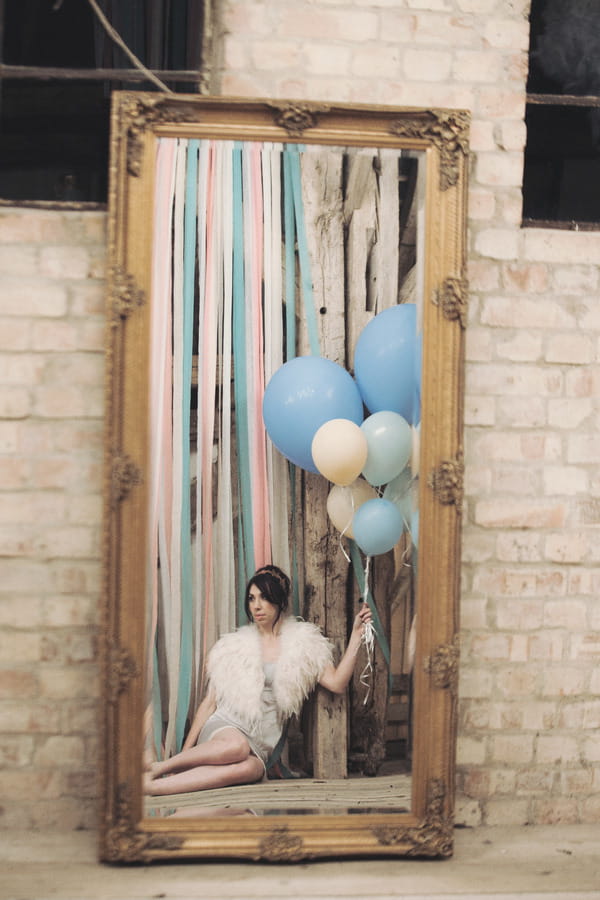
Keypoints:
(368, 639)
(345, 529)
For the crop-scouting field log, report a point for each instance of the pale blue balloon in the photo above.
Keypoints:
(387, 362)
(302, 395)
(414, 529)
(377, 526)
(389, 443)
(399, 491)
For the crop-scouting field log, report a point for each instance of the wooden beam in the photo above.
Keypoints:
(46, 73)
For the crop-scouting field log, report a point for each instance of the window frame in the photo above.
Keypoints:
(196, 78)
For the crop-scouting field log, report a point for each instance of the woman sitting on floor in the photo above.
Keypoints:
(259, 676)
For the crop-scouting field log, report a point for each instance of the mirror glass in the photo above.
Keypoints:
(287, 253)
(286, 288)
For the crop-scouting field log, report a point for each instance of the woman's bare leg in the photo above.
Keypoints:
(202, 778)
(226, 747)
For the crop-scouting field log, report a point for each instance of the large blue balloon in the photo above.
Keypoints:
(302, 395)
(387, 362)
(377, 526)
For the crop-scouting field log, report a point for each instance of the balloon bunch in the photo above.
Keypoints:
(313, 411)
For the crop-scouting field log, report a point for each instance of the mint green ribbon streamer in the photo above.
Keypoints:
(289, 230)
(246, 542)
(156, 706)
(189, 268)
(359, 574)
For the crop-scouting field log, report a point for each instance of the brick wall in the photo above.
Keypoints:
(529, 744)
(51, 434)
(529, 738)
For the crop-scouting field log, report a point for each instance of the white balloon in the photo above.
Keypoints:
(343, 501)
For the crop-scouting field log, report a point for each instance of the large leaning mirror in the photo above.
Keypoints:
(286, 304)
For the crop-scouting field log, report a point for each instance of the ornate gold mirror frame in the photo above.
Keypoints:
(439, 138)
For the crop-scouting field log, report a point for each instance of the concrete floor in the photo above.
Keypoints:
(560, 862)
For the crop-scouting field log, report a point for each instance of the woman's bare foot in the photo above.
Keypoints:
(148, 783)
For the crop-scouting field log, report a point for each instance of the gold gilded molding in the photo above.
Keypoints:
(297, 118)
(125, 475)
(433, 837)
(442, 665)
(452, 296)
(448, 130)
(124, 842)
(141, 112)
(125, 295)
(282, 846)
(421, 827)
(122, 668)
(447, 481)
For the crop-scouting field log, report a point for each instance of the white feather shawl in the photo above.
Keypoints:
(235, 669)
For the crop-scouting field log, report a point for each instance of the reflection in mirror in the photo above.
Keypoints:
(287, 288)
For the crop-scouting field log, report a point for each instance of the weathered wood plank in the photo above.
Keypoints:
(386, 251)
(384, 792)
(360, 215)
(324, 565)
(322, 198)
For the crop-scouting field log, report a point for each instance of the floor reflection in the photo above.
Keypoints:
(303, 796)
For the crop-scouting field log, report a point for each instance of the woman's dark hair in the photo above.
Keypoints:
(274, 585)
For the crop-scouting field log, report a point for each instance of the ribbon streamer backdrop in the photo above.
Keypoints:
(220, 239)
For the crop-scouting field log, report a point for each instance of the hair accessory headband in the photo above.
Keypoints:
(277, 574)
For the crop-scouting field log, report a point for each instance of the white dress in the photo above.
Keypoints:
(265, 736)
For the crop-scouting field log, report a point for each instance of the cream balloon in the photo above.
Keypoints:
(343, 501)
(339, 450)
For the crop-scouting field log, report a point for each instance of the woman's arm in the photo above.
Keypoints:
(337, 679)
(206, 709)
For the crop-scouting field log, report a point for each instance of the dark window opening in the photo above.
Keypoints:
(58, 68)
(561, 182)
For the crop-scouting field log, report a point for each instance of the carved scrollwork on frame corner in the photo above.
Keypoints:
(297, 118)
(433, 837)
(125, 475)
(281, 845)
(124, 842)
(136, 113)
(122, 669)
(125, 295)
(448, 130)
(452, 297)
(140, 113)
(447, 482)
(442, 666)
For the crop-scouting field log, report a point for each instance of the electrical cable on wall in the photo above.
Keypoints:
(116, 37)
